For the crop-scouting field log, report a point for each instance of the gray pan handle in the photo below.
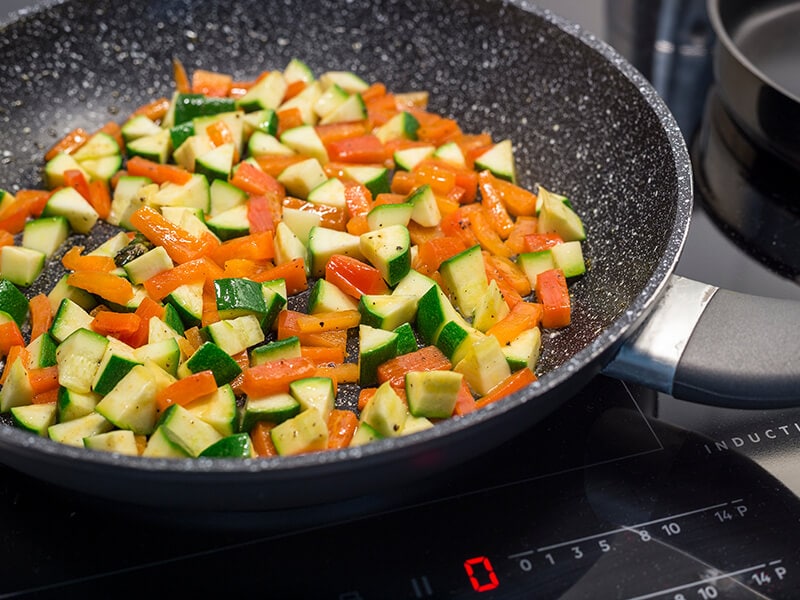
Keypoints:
(716, 347)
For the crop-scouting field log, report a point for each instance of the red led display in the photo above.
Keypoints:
(481, 574)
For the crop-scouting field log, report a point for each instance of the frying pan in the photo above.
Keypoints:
(583, 121)
(755, 68)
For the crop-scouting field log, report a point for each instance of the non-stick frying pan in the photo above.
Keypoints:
(582, 119)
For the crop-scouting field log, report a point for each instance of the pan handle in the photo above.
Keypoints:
(716, 347)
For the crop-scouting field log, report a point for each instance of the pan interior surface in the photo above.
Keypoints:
(583, 122)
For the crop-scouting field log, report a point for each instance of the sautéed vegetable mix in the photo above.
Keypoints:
(276, 240)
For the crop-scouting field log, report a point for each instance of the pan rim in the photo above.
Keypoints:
(602, 347)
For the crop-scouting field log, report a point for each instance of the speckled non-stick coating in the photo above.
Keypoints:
(584, 123)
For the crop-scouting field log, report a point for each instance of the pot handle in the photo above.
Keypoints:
(716, 347)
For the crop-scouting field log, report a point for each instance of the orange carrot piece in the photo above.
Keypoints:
(253, 180)
(157, 172)
(6, 238)
(262, 440)
(465, 402)
(100, 197)
(182, 84)
(75, 178)
(523, 226)
(274, 164)
(335, 132)
(481, 226)
(155, 110)
(494, 206)
(433, 253)
(322, 355)
(41, 315)
(46, 397)
(43, 379)
(342, 426)
(293, 272)
(364, 396)
(119, 325)
(75, 261)
(106, 285)
(219, 133)
(186, 390)
(68, 144)
(523, 315)
(429, 358)
(256, 246)
(274, 376)
(259, 214)
(504, 268)
(211, 83)
(513, 383)
(10, 336)
(180, 244)
(14, 354)
(328, 321)
(289, 118)
(552, 292)
(113, 129)
(340, 373)
(200, 270)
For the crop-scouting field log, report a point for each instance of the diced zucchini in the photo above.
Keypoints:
(432, 394)
(375, 179)
(218, 410)
(35, 418)
(264, 144)
(139, 126)
(102, 168)
(235, 335)
(490, 309)
(188, 302)
(450, 152)
(385, 412)
(68, 203)
(209, 356)
(73, 432)
(352, 109)
(406, 339)
(523, 350)
(301, 222)
(385, 215)
(20, 265)
(56, 167)
(425, 208)
(347, 80)
(297, 70)
(160, 446)
(533, 263)
(274, 408)
(260, 121)
(324, 243)
(217, 163)
(402, 126)
(326, 297)
(13, 301)
(147, 265)
(556, 216)
(188, 431)
(237, 296)
(434, 310)
(266, 94)
(121, 441)
(329, 193)
(195, 193)
(191, 106)
(333, 97)
(499, 159)
(484, 365)
(288, 246)
(127, 198)
(304, 102)
(165, 353)
(231, 223)
(408, 158)
(74, 405)
(388, 250)
(45, 234)
(156, 147)
(62, 290)
(387, 311)
(16, 390)
(375, 347)
(285, 348)
(225, 196)
(117, 361)
(78, 358)
(305, 140)
(42, 351)
(302, 177)
(237, 445)
(274, 301)
(314, 392)
(307, 432)
(365, 434)
(190, 149)
(464, 275)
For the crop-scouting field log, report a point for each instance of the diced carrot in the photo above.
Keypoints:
(334, 132)
(481, 226)
(274, 164)
(211, 83)
(341, 373)
(553, 293)
(381, 108)
(41, 315)
(68, 144)
(75, 178)
(27, 203)
(243, 360)
(328, 321)
(14, 354)
(536, 242)
(437, 131)
(465, 403)
(155, 110)
(147, 309)
(509, 271)
(259, 214)
(274, 376)
(388, 198)
(256, 246)
(516, 239)
(10, 336)
(513, 383)
(262, 440)
(358, 225)
(441, 180)
(523, 316)
(473, 145)
(364, 149)
(517, 200)
(157, 172)
(220, 134)
(364, 396)
(289, 118)
(494, 206)
(253, 180)
(199, 270)
(294, 88)
(323, 355)
(458, 224)
(246, 268)
(403, 182)
(194, 337)
(182, 84)
(358, 200)
(46, 397)
(43, 379)
(419, 234)
(186, 390)
(100, 197)
(342, 426)
(431, 254)
(119, 325)
(6, 238)
(292, 272)
(181, 246)
(354, 277)
(75, 261)
(373, 92)
(429, 358)
(106, 285)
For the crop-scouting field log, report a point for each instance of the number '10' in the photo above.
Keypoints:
(481, 574)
